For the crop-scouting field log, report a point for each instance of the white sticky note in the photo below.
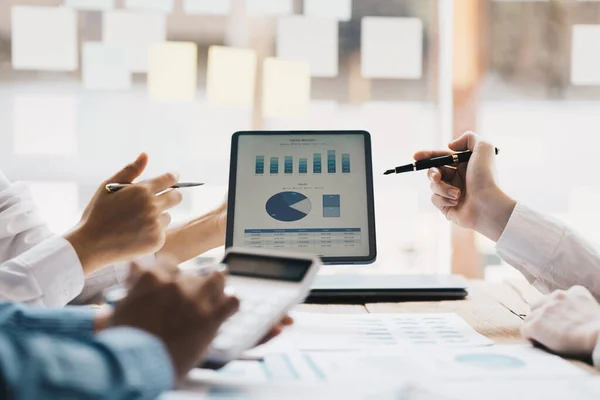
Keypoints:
(45, 125)
(340, 10)
(44, 38)
(231, 76)
(57, 202)
(134, 33)
(104, 67)
(165, 6)
(269, 7)
(91, 5)
(392, 47)
(314, 40)
(286, 88)
(585, 55)
(212, 7)
(173, 71)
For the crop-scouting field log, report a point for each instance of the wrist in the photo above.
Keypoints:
(494, 210)
(86, 248)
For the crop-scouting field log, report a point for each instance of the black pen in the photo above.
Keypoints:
(115, 187)
(451, 159)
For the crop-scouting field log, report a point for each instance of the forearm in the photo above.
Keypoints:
(550, 254)
(194, 237)
(75, 322)
(121, 363)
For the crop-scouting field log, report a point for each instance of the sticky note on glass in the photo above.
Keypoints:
(314, 40)
(392, 47)
(231, 76)
(173, 71)
(211, 7)
(269, 7)
(286, 88)
(134, 33)
(91, 5)
(340, 10)
(44, 38)
(104, 67)
(45, 125)
(165, 6)
(585, 55)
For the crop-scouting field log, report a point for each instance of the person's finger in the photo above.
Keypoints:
(273, 333)
(426, 154)
(131, 171)
(445, 190)
(212, 288)
(167, 264)
(464, 142)
(169, 199)
(164, 220)
(162, 182)
(445, 173)
(229, 306)
(135, 269)
(441, 202)
(471, 141)
(287, 321)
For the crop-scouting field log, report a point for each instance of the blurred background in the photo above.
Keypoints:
(85, 85)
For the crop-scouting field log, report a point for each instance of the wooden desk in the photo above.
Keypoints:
(494, 310)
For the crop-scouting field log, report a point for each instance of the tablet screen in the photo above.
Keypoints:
(303, 192)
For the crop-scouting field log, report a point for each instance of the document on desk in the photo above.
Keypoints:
(322, 332)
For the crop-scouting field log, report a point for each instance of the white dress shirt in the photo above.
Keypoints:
(37, 266)
(550, 254)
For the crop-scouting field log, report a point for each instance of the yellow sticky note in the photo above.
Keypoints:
(231, 76)
(286, 88)
(172, 71)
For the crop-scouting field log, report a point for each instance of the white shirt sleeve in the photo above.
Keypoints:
(35, 265)
(549, 253)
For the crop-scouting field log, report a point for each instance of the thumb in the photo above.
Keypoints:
(466, 141)
(131, 171)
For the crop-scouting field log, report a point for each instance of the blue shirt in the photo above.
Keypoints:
(54, 354)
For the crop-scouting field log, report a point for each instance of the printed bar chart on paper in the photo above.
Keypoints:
(259, 168)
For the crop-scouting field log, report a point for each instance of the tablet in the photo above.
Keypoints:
(303, 191)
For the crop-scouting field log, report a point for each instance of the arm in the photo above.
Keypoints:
(197, 236)
(547, 252)
(120, 363)
(37, 267)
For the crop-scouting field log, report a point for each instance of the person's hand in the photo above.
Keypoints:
(184, 313)
(566, 322)
(277, 329)
(129, 223)
(469, 195)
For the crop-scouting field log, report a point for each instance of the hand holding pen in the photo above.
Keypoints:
(470, 197)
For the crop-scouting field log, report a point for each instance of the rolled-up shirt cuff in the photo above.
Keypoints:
(56, 269)
(529, 240)
(144, 359)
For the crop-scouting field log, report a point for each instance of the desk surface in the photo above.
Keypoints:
(495, 310)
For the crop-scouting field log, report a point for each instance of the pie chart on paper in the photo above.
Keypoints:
(288, 206)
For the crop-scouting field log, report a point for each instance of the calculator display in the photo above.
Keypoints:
(284, 269)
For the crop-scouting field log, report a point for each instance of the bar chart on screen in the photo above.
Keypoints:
(289, 161)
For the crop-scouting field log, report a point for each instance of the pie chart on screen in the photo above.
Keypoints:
(288, 206)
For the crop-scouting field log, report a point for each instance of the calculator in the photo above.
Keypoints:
(268, 284)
